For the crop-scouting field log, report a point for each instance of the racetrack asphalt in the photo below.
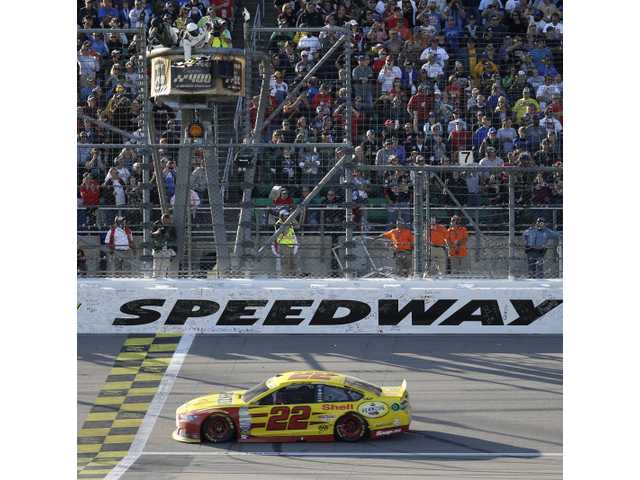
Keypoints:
(476, 400)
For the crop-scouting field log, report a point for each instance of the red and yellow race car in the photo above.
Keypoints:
(295, 406)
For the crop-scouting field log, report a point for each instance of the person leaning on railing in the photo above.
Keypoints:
(402, 241)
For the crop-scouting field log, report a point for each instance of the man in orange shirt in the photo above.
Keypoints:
(456, 242)
(402, 241)
(438, 247)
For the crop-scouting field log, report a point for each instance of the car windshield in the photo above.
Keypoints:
(254, 391)
(362, 385)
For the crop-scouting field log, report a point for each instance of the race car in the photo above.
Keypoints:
(309, 405)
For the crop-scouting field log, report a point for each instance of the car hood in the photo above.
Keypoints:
(214, 400)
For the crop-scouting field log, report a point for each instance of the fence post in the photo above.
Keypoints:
(478, 236)
(348, 234)
(419, 224)
(427, 194)
(512, 226)
(556, 255)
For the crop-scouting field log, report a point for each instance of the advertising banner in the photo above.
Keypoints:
(320, 306)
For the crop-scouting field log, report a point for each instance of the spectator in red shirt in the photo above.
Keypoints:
(459, 139)
(419, 106)
(90, 194)
(324, 95)
(556, 106)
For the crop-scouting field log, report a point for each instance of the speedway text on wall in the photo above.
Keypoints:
(319, 306)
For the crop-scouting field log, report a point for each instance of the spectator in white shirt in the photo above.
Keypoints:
(88, 63)
(544, 92)
(440, 53)
(388, 73)
(491, 160)
(507, 135)
(119, 239)
(550, 122)
(555, 23)
(279, 87)
(309, 42)
(433, 69)
(123, 171)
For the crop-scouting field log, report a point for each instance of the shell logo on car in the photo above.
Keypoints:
(308, 405)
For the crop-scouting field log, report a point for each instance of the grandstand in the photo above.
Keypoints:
(420, 110)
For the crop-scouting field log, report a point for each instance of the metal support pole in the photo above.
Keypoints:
(146, 208)
(556, 246)
(512, 225)
(418, 225)
(248, 72)
(183, 185)
(349, 256)
(478, 237)
(427, 194)
(216, 202)
(348, 104)
(243, 234)
(348, 234)
(146, 164)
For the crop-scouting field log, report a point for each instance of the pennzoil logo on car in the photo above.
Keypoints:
(373, 409)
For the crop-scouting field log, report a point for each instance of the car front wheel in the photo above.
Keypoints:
(218, 428)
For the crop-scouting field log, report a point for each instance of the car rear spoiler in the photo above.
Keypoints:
(403, 387)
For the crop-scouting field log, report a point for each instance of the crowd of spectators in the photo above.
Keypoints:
(435, 82)
(110, 82)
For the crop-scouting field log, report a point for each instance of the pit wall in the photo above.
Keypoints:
(332, 306)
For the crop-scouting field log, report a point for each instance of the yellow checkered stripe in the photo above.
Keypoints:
(114, 419)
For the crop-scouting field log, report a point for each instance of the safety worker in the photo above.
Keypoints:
(438, 236)
(402, 241)
(285, 247)
(456, 243)
(536, 239)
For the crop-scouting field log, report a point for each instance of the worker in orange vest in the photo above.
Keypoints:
(456, 242)
(438, 237)
(402, 241)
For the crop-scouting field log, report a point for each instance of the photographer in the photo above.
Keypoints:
(220, 35)
(162, 34)
(164, 245)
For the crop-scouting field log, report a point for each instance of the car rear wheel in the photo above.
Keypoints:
(218, 428)
(350, 428)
